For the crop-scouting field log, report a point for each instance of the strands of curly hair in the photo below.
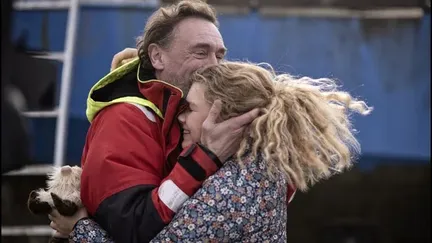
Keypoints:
(304, 130)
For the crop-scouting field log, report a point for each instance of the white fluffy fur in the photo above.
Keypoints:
(65, 185)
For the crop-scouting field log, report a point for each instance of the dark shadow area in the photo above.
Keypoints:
(389, 204)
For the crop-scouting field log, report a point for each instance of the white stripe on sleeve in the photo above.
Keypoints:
(171, 195)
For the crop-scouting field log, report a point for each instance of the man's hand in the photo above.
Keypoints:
(123, 57)
(224, 138)
(64, 224)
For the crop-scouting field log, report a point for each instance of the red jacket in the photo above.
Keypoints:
(132, 182)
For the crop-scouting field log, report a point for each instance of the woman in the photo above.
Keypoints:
(303, 135)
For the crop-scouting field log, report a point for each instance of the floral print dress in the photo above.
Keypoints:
(236, 204)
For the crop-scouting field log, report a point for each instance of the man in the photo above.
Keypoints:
(133, 178)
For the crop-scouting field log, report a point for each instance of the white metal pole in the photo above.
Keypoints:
(65, 86)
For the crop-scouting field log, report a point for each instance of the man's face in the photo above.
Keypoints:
(196, 43)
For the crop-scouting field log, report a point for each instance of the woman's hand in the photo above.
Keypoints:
(123, 57)
(65, 224)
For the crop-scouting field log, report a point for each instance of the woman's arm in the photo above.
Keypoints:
(87, 230)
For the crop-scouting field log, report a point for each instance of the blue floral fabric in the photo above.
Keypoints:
(88, 231)
(236, 204)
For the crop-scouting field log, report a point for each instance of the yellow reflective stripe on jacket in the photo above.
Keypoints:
(93, 107)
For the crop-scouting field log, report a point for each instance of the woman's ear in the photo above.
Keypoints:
(155, 55)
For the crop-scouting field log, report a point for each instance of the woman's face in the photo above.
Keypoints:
(192, 118)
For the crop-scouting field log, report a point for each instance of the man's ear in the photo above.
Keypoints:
(155, 54)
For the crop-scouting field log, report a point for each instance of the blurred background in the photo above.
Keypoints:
(378, 49)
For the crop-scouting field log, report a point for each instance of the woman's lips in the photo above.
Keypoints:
(185, 132)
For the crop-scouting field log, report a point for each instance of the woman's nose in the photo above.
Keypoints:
(181, 117)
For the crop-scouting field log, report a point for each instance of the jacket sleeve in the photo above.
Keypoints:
(122, 184)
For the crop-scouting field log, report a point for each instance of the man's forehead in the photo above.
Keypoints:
(194, 31)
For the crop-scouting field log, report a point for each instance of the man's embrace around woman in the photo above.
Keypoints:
(176, 154)
(301, 136)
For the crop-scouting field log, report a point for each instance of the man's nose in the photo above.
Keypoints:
(210, 61)
(213, 60)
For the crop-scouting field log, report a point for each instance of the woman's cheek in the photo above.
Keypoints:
(197, 136)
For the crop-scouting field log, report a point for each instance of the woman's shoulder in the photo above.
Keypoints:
(244, 195)
(247, 179)
(251, 168)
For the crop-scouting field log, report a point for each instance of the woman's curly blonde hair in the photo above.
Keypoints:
(304, 130)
